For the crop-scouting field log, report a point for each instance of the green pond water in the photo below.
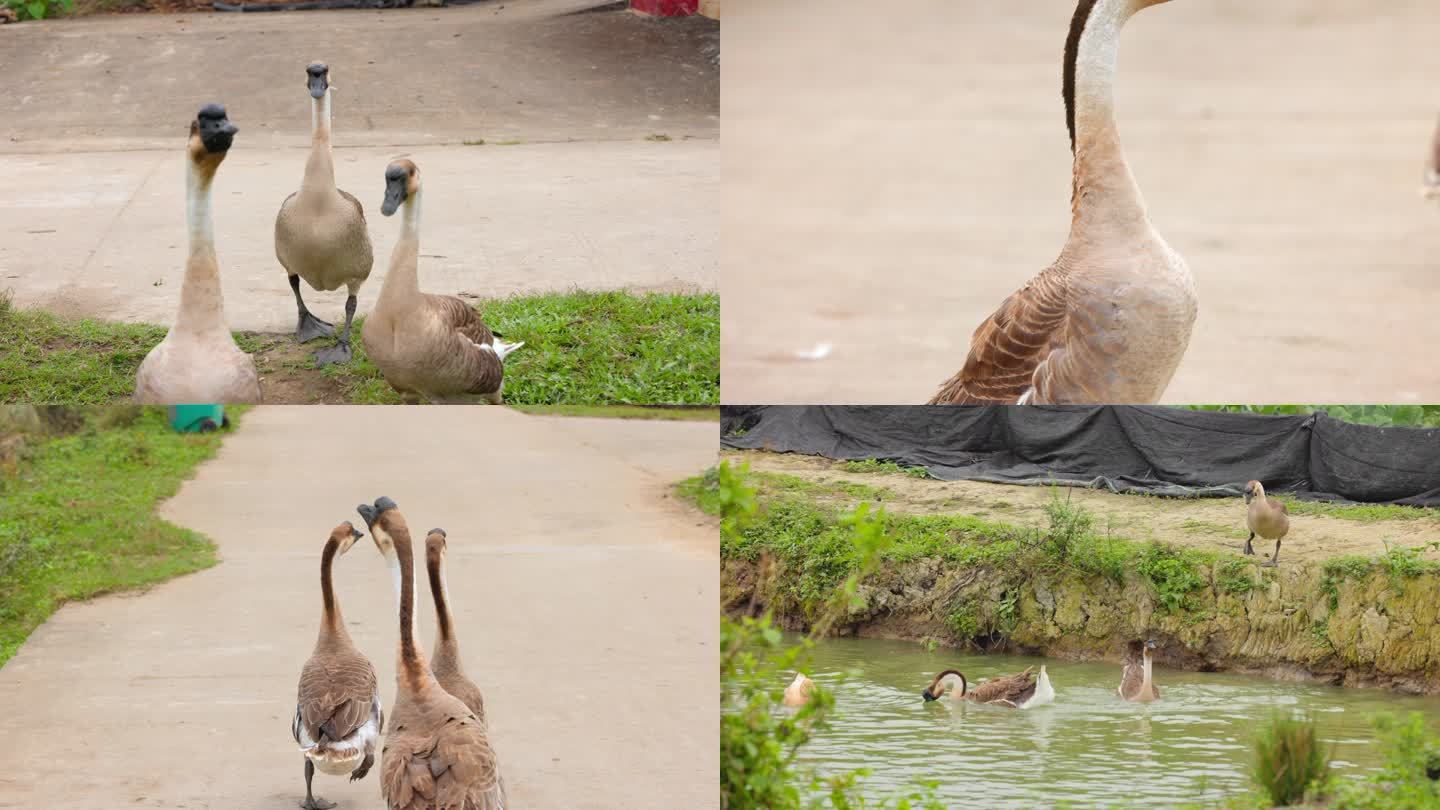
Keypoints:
(1088, 749)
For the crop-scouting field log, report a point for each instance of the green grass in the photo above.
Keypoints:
(877, 467)
(79, 519)
(1360, 512)
(581, 348)
(703, 490)
(683, 413)
(1289, 759)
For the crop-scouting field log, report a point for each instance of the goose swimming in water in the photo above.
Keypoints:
(799, 691)
(1109, 321)
(1019, 691)
(1137, 682)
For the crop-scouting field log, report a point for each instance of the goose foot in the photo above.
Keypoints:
(359, 773)
(1270, 564)
(339, 353)
(311, 327)
(316, 803)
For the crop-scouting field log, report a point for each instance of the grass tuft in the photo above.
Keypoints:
(1289, 759)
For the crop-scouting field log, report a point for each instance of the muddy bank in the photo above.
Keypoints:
(1307, 622)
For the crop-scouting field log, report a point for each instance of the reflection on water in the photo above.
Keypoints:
(1089, 749)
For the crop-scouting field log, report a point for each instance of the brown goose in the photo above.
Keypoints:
(446, 664)
(437, 753)
(1109, 321)
(1137, 682)
(320, 232)
(433, 346)
(1267, 518)
(338, 716)
(1020, 691)
(198, 360)
(799, 691)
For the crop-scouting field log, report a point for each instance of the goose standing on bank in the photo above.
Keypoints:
(1019, 691)
(320, 232)
(1137, 682)
(1267, 518)
(446, 664)
(338, 716)
(198, 360)
(1109, 321)
(437, 754)
(433, 346)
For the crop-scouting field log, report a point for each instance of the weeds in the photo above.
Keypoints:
(876, 467)
(1289, 760)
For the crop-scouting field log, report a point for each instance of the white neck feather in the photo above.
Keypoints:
(198, 217)
(1109, 193)
(320, 116)
(410, 216)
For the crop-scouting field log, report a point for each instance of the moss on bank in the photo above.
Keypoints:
(1070, 590)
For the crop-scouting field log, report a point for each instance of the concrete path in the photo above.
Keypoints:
(568, 190)
(585, 598)
(890, 177)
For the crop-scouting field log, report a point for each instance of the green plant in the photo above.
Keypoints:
(1379, 415)
(703, 490)
(963, 622)
(1289, 759)
(1408, 780)
(877, 467)
(1171, 574)
(40, 9)
(1234, 576)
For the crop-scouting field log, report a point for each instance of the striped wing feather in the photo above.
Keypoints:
(451, 768)
(1008, 348)
(1012, 689)
(336, 695)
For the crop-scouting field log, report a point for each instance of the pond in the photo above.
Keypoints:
(1089, 748)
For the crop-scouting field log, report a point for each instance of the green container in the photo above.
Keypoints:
(197, 418)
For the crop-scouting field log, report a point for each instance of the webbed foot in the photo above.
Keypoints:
(311, 327)
(316, 803)
(339, 353)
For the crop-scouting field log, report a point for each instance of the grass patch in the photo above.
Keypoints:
(1289, 761)
(1359, 512)
(79, 519)
(581, 348)
(877, 467)
(702, 490)
(681, 413)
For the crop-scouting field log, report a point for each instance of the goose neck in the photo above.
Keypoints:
(320, 166)
(412, 664)
(201, 301)
(1104, 193)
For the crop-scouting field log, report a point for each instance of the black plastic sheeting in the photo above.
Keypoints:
(1161, 451)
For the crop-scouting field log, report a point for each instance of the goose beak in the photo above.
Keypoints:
(928, 697)
(1150, 644)
(368, 513)
(396, 190)
(317, 79)
(356, 533)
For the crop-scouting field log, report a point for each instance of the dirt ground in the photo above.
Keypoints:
(585, 596)
(1213, 524)
(559, 150)
(891, 177)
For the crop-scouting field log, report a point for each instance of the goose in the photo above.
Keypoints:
(1109, 321)
(799, 691)
(338, 716)
(198, 360)
(1267, 518)
(1136, 680)
(1431, 189)
(437, 753)
(1020, 691)
(320, 232)
(446, 663)
(434, 346)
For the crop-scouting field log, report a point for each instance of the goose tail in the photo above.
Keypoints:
(502, 348)
(1044, 692)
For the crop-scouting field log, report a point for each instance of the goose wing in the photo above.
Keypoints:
(1014, 343)
(462, 318)
(359, 209)
(452, 767)
(1130, 680)
(1012, 689)
(336, 697)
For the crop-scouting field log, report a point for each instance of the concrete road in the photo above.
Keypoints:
(891, 176)
(568, 189)
(585, 600)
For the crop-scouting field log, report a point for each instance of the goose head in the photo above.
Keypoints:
(435, 544)
(402, 181)
(1253, 490)
(211, 134)
(317, 79)
(950, 679)
(382, 518)
(345, 536)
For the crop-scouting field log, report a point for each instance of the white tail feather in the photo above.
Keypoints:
(502, 348)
